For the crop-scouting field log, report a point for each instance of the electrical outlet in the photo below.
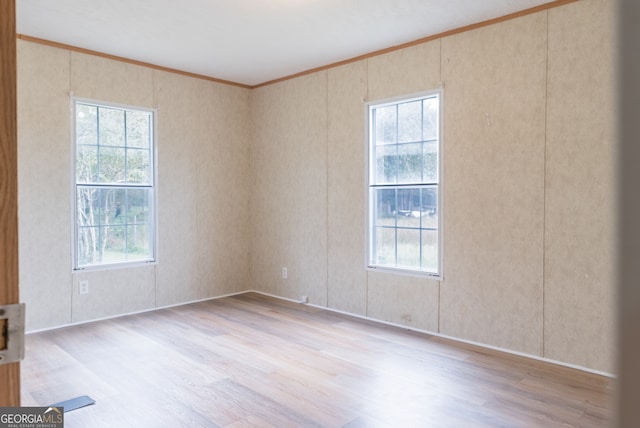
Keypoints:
(285, 273)
(304, 299)
(83, 287)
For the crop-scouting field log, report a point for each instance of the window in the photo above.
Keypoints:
(114, 185)
(404, 185)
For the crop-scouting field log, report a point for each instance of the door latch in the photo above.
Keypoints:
(11, 333)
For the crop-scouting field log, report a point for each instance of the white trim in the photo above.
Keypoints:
(524, 354)
(114, 266)
(284, 298)
(156, 187)
(73, 202)
(452, 338)
(153, 236)
(397, 270)
(404, 272)
(417, 330)
(141, 311)
(441, 183)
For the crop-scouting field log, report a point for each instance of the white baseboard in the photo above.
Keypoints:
(444, 336)
(452, 338)
(142, 311)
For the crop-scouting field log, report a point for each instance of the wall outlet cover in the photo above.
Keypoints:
(83, 287)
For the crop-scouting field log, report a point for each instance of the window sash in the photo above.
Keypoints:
(114, 214)
(403, 221)
(404, 170)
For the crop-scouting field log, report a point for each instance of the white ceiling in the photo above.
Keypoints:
(249, 41)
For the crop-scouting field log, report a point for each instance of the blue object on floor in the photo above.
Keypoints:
(75, 403)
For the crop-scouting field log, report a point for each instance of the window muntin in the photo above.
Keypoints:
(114, 185)
(404, 185)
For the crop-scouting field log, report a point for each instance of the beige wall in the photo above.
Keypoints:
(253, 181)
(289, 188)
(580, 201)
(203, 181)
(494, 184)
(44, 185)
(528, 141)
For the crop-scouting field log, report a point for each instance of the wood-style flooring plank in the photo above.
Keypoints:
(257, 361)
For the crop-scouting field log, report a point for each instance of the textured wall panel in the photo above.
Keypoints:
(397, 298)
(180, 131)
(405, 300)
(224, 187)
(494, 184)
(579, 238)
(113, 292)
(347, 278)
(44, 184)
(404, 72)
(113, 81)
(289, 203)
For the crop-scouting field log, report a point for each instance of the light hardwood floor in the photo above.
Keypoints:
(256, 361)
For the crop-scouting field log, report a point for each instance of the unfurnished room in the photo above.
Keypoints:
(315, 213)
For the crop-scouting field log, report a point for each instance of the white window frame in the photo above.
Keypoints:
(370, 208)
(153, 161)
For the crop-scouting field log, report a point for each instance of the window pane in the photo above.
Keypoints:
(138, 206)
(113, 223)
(115, 205)
(409, 248)
(88, 249)
(430, 163)
(86, 124)
(430, 251)
(111, 127)
(409, 207)
(404, 179)
(410, 163)
(138, 168)
(385, 125)
(87, 164)
(385, 249)
(99, 206)
(138, 129)
(111, 165)
(386, 164)
(114, 175)
(430, 118)
(138, 242)
(385, 203)
(115, 250)
(430, 207)
(89, 207)
(410, 122)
